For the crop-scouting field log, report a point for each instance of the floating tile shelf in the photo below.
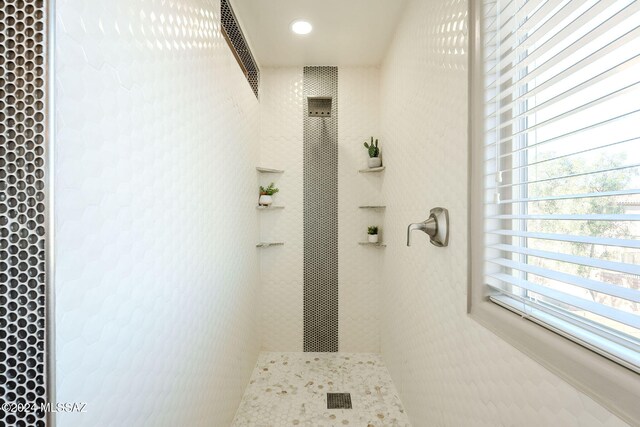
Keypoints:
(369, 170)
(268, 170)
(372, 207)
(380, 244)
(268, 208)
(268, 244)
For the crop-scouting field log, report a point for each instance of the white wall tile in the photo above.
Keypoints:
(449, 370)
(157, 274)
(359, 266)
(281, 146)
(282, 266)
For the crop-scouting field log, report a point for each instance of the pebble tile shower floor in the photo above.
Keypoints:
(290, 389)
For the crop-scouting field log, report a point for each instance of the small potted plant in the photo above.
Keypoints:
(266, 194)
(374, 160)
(372, 231)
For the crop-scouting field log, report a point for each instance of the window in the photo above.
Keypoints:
(556, 178)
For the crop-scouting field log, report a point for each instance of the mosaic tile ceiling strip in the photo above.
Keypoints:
(238, 44)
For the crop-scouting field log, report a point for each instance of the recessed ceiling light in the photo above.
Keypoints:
(301, 27)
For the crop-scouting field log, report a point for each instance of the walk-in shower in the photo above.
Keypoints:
(179, 296)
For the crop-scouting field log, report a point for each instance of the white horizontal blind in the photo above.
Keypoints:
(562, 167)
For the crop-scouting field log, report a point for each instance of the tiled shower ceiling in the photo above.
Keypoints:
(23, 212)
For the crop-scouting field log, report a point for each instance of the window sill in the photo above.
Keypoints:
(618, 353)
(615, 387)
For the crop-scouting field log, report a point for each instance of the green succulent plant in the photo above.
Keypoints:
(270, 190)
(374, 151)
(372, 229)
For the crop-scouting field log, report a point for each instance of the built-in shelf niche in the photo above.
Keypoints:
(268, 170)
(269, 244)
(264, 170)
(371, 170)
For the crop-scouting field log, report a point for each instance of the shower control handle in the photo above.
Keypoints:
(436, 226)
(429, 226)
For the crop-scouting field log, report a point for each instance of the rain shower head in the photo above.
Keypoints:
(319, 106)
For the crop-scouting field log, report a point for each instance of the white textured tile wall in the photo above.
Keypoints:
(281, 139)
(359, 266)
(282, 266)
(450, 371)
(157, 274)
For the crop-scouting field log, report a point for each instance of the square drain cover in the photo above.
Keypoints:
(338, 400)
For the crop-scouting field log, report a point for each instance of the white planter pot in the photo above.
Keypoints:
(374, 162)
(265, 200)
(373, 238)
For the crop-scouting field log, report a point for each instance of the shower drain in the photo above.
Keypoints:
(338, 400)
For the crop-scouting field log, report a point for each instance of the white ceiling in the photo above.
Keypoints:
(345, 32)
